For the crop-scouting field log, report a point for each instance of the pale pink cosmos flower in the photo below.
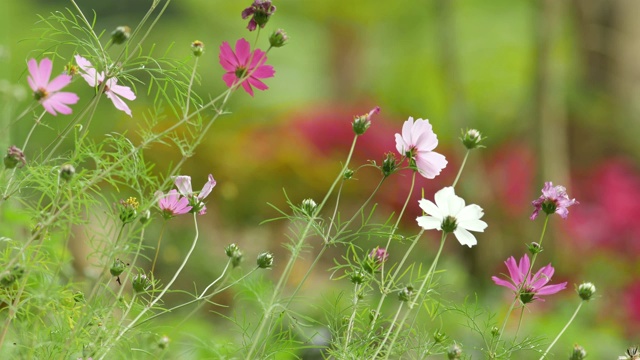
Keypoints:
(183, 183)
(528, 287)
(172, 204)
(554, 199)
(379, 254)
(48, 92)
(417, 143)
(112, 90)
(242, 63)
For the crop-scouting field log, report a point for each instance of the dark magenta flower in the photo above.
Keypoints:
(245, 66)
(260, 12)
(528, 287)
(554, 199)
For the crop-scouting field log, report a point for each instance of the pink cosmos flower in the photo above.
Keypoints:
(183, 183)
(417, 142)
(260, 12)
(172, 204)
(112, 90)
(529, 287)
(48, 93)
(554, 199)
(379, 254)
(242, 63)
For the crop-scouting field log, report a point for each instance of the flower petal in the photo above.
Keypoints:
(206, 189)
(465, 237)
(228, 59)
(442, 199)
(551, 289)
(117, 102)
(264, 71)
(431, 209)
(183, 183)
(59, 82)
(504, 283)
(429, 222)
(257, 83)
(243, 52)
(430, 163)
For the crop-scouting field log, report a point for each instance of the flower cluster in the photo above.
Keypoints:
(184, 200)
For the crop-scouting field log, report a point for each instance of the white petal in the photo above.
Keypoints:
(473, 225)
(456, 204)
(429, 222)
(465, 237)
(471, 212)
(430, 208)
(442, 199)
(183, 183)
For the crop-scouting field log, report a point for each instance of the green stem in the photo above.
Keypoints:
(155, 258)
(353, 315)
(575, 313)
(464, 161)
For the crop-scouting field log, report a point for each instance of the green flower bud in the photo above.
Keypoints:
(8, 278)
(309, 207)
(406, 294)
(163, 343)
(578, 353)
(128, 210)
(357, 277)
(140, 283)
(265, 260)
(439, 337)
(278, 38)
(120, 34)
(78, 297)
(389, 165)
(471, 139)
(145, 217)
(197, 48)
(454, 352)
(586, 291)
(67, 171)
(495, 331)
(535, 248)
(117, 267)
(231, 249)
(348, 174)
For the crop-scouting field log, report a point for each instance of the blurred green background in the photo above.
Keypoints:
(552, 84)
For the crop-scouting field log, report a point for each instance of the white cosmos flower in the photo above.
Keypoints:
(450, 214)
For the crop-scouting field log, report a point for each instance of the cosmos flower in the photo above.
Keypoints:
(528, 287)
(450, 214)
(172, 204)
(183, 183)
(417, 143)
(260, 12)
(245, 63)
(554, 199)
(112, 90)
(48, 92)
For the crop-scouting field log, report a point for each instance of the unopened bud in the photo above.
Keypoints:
(495, 331)
(439, 337)
(348, 174)
(197, 48)
(471, 139)
(278, 39)
(586, 291)
(309, 207)
(265, 260)
(67, 171)
(140, 283)
(128, 210)
(9, 277)
(78, 297)
(535, 248)
(15, 157)
(406, 294)
(454, 352)
(389, 165)
(120, 34)
(117, 267)
(231, 249)
(357, 277)
(145, 216)
(361, 123)
(163, 343)
(578, 353)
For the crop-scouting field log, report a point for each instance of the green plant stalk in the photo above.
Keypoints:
(108, 346)
(464, 161)
(386, 336)
(575, 313)
(517, 296)
(353, 315)
(155, 258)
(190, 88)
(426, 282)
(294, 256)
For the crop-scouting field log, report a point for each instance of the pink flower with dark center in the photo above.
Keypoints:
(112, 90)
(183, 183)
(554, 199)
(528, 287)
(417, 143)
(245, 66)
(48, 93)
(172, 204)
(260, 12)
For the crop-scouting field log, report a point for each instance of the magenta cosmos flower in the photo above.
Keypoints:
(245, 63)
(48, 93)
(417, 143)
(172, 204)
(260, 12)
(528, 287)
(183, 183)
(554, 199)
(112, 90)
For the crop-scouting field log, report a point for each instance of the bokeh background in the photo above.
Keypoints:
(553, 85)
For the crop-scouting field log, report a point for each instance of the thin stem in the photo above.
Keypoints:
(353, 314)
(464, 161)
(155, 258)
(189, 89)
(386, 337)
(575, 313)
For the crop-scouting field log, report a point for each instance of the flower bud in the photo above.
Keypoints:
(163, 343)
(145, 217)
(309, 207)
(128, 210)
(361, 123)
(471, 139)
(379, 254)
(78, 297)
(278, 39)
(389, 165)
(586, 291)
(632, 353)
(495, 331)
(348, 174)
(71, 70)
(9, 277)
(231, 249)
(236, 259)
(535, 248)
(260, 12)
(357, 277)
(14, 157)
(265, 260)
(140, 283)
(120, 34)
(454, 352)
(67, 171)
(578, 353)
(439, 337)
(406, 293)
(117, 267)
(197, 48)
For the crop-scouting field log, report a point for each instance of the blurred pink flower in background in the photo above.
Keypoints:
(48, 92)
(417, 143)
(554, 199)
(172, 204)
(112, 90)
(242, 63)
(530, 287)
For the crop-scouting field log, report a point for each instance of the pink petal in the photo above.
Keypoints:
(121, 90)
(523, 267)
(228, 59)
(183, 183)
(206, 189)
(258, 58)
(243, 51)
(229, 78)
(118, 103)
(48, 106)
(264, 71)
(257, 83)
(514, 271)
(401, 145)
(59, 82)
(44, 74)
(551, 289)
(34, 75)
(430, 163)
(247, 87)
(504, 283)
(406, 132)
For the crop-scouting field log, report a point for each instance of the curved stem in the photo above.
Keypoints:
(575, 313)
(464, 161)
(155, 258)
